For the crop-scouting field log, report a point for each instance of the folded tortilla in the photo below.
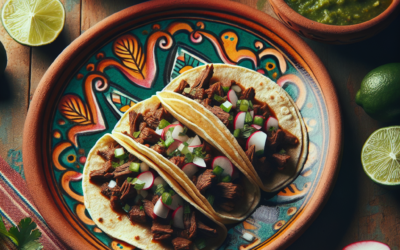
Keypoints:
(267, 91)
(251, 196)
(123, 229)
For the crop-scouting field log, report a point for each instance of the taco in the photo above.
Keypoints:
(132, 199)
(256, 117)
(208, 173)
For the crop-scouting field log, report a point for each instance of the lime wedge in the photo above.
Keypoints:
(33, 22)
(380, 156)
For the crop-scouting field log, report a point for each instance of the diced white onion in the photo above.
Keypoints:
(112, 184)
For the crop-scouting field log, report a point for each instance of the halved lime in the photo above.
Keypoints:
(380, 156)
(33, 22)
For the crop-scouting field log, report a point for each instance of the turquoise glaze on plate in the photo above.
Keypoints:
(134, 65)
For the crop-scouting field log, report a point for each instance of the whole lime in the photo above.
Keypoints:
(3, 58)
(379, 94)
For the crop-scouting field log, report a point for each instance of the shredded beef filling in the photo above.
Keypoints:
(178, 160)
(206, 180)
(160, 231)
(103, 174)
(149, 135)
(182, 85)
(137, 215)
(181, 243)
(206, 230)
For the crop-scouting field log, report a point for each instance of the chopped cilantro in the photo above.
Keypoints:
(25, 235)
(141, 208)
(282, 152)
(183, 133)
(160, 189)
(199, 153)
(188, 158)
(115, 164)
(218, 170)
(166, 198)
(163, 124)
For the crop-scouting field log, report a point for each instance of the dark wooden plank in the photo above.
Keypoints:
(14, 95)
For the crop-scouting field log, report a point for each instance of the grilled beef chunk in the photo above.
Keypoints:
(206, 102)
(197, 93)
(228, 190)
(289, 139)
(222, 115)
(181, 244)
(151, 121)
(115, 200)
(106, 191)
(205, 180)
(155, 199)
(148, 208)
(256, 108)
(262, 167)
(122, 172)
(203, 81)
(139, 140)
(107, 154)
(189, 220)
(228, 84)
(227, 206)
(248, 94)
(160, 231)
(135, 120)
(154, 117)
(264, 111)
(205, 147)
(274, 140)
(128, 191)
(215, 89)
(162, 113)
(206, 230)
(149, 135)
(137, 215)
(194, 179)
(280, 159)
(142, 126)
(182, 85)
(250, 152)
(103, 174)
(159, 149)
(178, 160)
(208, 159)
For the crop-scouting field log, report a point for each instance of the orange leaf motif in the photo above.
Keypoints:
(130, 52)
(73, 108)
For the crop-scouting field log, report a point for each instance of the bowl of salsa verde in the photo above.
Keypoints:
(336, 21)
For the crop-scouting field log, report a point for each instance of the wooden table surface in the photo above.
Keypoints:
(357, 209)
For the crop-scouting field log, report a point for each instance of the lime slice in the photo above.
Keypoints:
(380, 156)
(33, 22)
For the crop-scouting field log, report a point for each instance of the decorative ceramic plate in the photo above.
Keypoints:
(134, 53)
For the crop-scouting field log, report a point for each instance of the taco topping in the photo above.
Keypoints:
(250, 121)
(145, 197)
(201, 163)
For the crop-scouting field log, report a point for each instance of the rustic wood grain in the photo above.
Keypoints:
(357, 210)
(14, 93)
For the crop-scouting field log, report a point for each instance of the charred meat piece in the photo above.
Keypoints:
(289, 139)
(206, 230)
(197, 93)
(274, 140)
(256, 108)
(228, 190)
(162, 113)
(106, 191)
(206, 102)
(148, 208)
(160, 231)
(194, 179)
(151, 121)
(155, 199)
(189, 220)
(228, 84)
(181, 243)
(128, 191)
(102, 174)
(137, 215)
(132, 158)
(182, 85)
(205, 147)
(178, 160)
(159, 149)
(123, 172)
(262, 167)
(208, 159)
(115, 201)
(250, 152)
(280, 159)
(222, 115)
(248, 94)
(264, 111)
(227, 206)
(139, 140)
(215, 89)
(135, 123)
(142, 126)
(107, 154)
(149, 135)
(206, 180)
(203, 81)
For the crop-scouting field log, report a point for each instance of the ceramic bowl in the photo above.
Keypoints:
(334, 34)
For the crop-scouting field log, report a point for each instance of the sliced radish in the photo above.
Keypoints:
(367, 245)
(173, 147)
(112, 184)
(148, 178)
(239, 120)
(164, 132)
(175, 134)
(258, 127)
(258, 139)
(232, 98)
(195, 141)
(190, 169)
(224, 163)
(176, 202)
(160, 210)
(177, 218)
(252, 113)
(144, 167)
(199, 162)
(176, 122)
(271, 122)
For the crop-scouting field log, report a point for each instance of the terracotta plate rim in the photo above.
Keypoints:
(33, 136)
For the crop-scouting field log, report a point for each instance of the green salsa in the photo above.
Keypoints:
(339, 12)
